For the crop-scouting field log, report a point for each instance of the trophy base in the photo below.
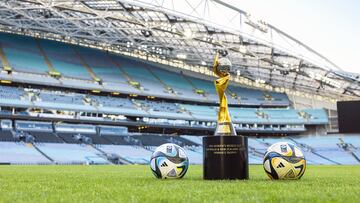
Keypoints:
(225, 157)
(224, 129)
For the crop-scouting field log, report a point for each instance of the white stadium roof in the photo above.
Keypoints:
(186, 34)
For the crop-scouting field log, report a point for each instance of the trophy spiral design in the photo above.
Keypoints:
(225, 153)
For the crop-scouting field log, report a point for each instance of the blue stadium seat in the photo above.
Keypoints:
(20, 153)
(72, 153)
(65, 60)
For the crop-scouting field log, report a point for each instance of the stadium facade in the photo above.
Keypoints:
(105, 82)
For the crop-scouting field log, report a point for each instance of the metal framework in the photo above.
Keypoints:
(189, 31)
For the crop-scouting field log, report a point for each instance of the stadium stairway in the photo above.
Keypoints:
(88, 68)
(63, 153)
(350, 149)
(168, 88)
(356, 154)
(195, 88)
(132, 153)
(131, 81)
(111, 157)
(4, 60)
(52, 70)
(41, 152)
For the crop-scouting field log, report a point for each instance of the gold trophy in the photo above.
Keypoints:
(225, 155)
(221, 68)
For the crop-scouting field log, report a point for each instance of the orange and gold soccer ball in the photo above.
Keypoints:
(283, 160)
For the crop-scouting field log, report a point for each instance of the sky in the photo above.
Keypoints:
(331, 27)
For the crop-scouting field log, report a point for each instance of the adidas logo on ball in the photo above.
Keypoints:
(281, 165)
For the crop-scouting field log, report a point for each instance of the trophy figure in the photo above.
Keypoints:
(222, 69)
(225, 154)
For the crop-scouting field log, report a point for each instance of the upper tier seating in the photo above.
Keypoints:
(102, 65)
(139, 72)
(23, 53)
(39, 56)
(65, 59)
(177, 82)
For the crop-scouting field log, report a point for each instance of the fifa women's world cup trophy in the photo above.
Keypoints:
(222, 68)
(225, 154)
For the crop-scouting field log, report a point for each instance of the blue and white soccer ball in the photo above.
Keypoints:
(283, 160)
(169, 161)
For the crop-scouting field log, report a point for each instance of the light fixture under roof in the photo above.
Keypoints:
(181, 56)
(146, 33)
(243, 49)
(188, 33)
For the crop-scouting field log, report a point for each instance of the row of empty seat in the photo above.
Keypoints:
(42, 57)
(150, 108)
(67, 148)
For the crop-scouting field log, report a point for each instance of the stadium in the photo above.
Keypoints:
(89, 89)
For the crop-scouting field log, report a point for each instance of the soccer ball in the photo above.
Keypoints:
(169, 161)
(283, 160)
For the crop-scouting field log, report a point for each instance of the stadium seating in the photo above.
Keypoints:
(357, 153)
(23, 54)
(195, 139)
(45, 137)
(139, 72)
(11, 92)
(12, 96)
(20, 153)
(65, 59)
(354, 140)
(102, 65)
(254, 159)
(151, 140)
(33, 59)
(195, 157)
(72, 153)
(65, 148)
(29, 55)
(68, 138)
(7, 136)
(338, 156)
(134, 154)
(61, 98)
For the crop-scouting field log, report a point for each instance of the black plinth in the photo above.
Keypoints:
(225, 157)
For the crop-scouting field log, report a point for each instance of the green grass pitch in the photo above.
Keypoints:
(134, 183)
